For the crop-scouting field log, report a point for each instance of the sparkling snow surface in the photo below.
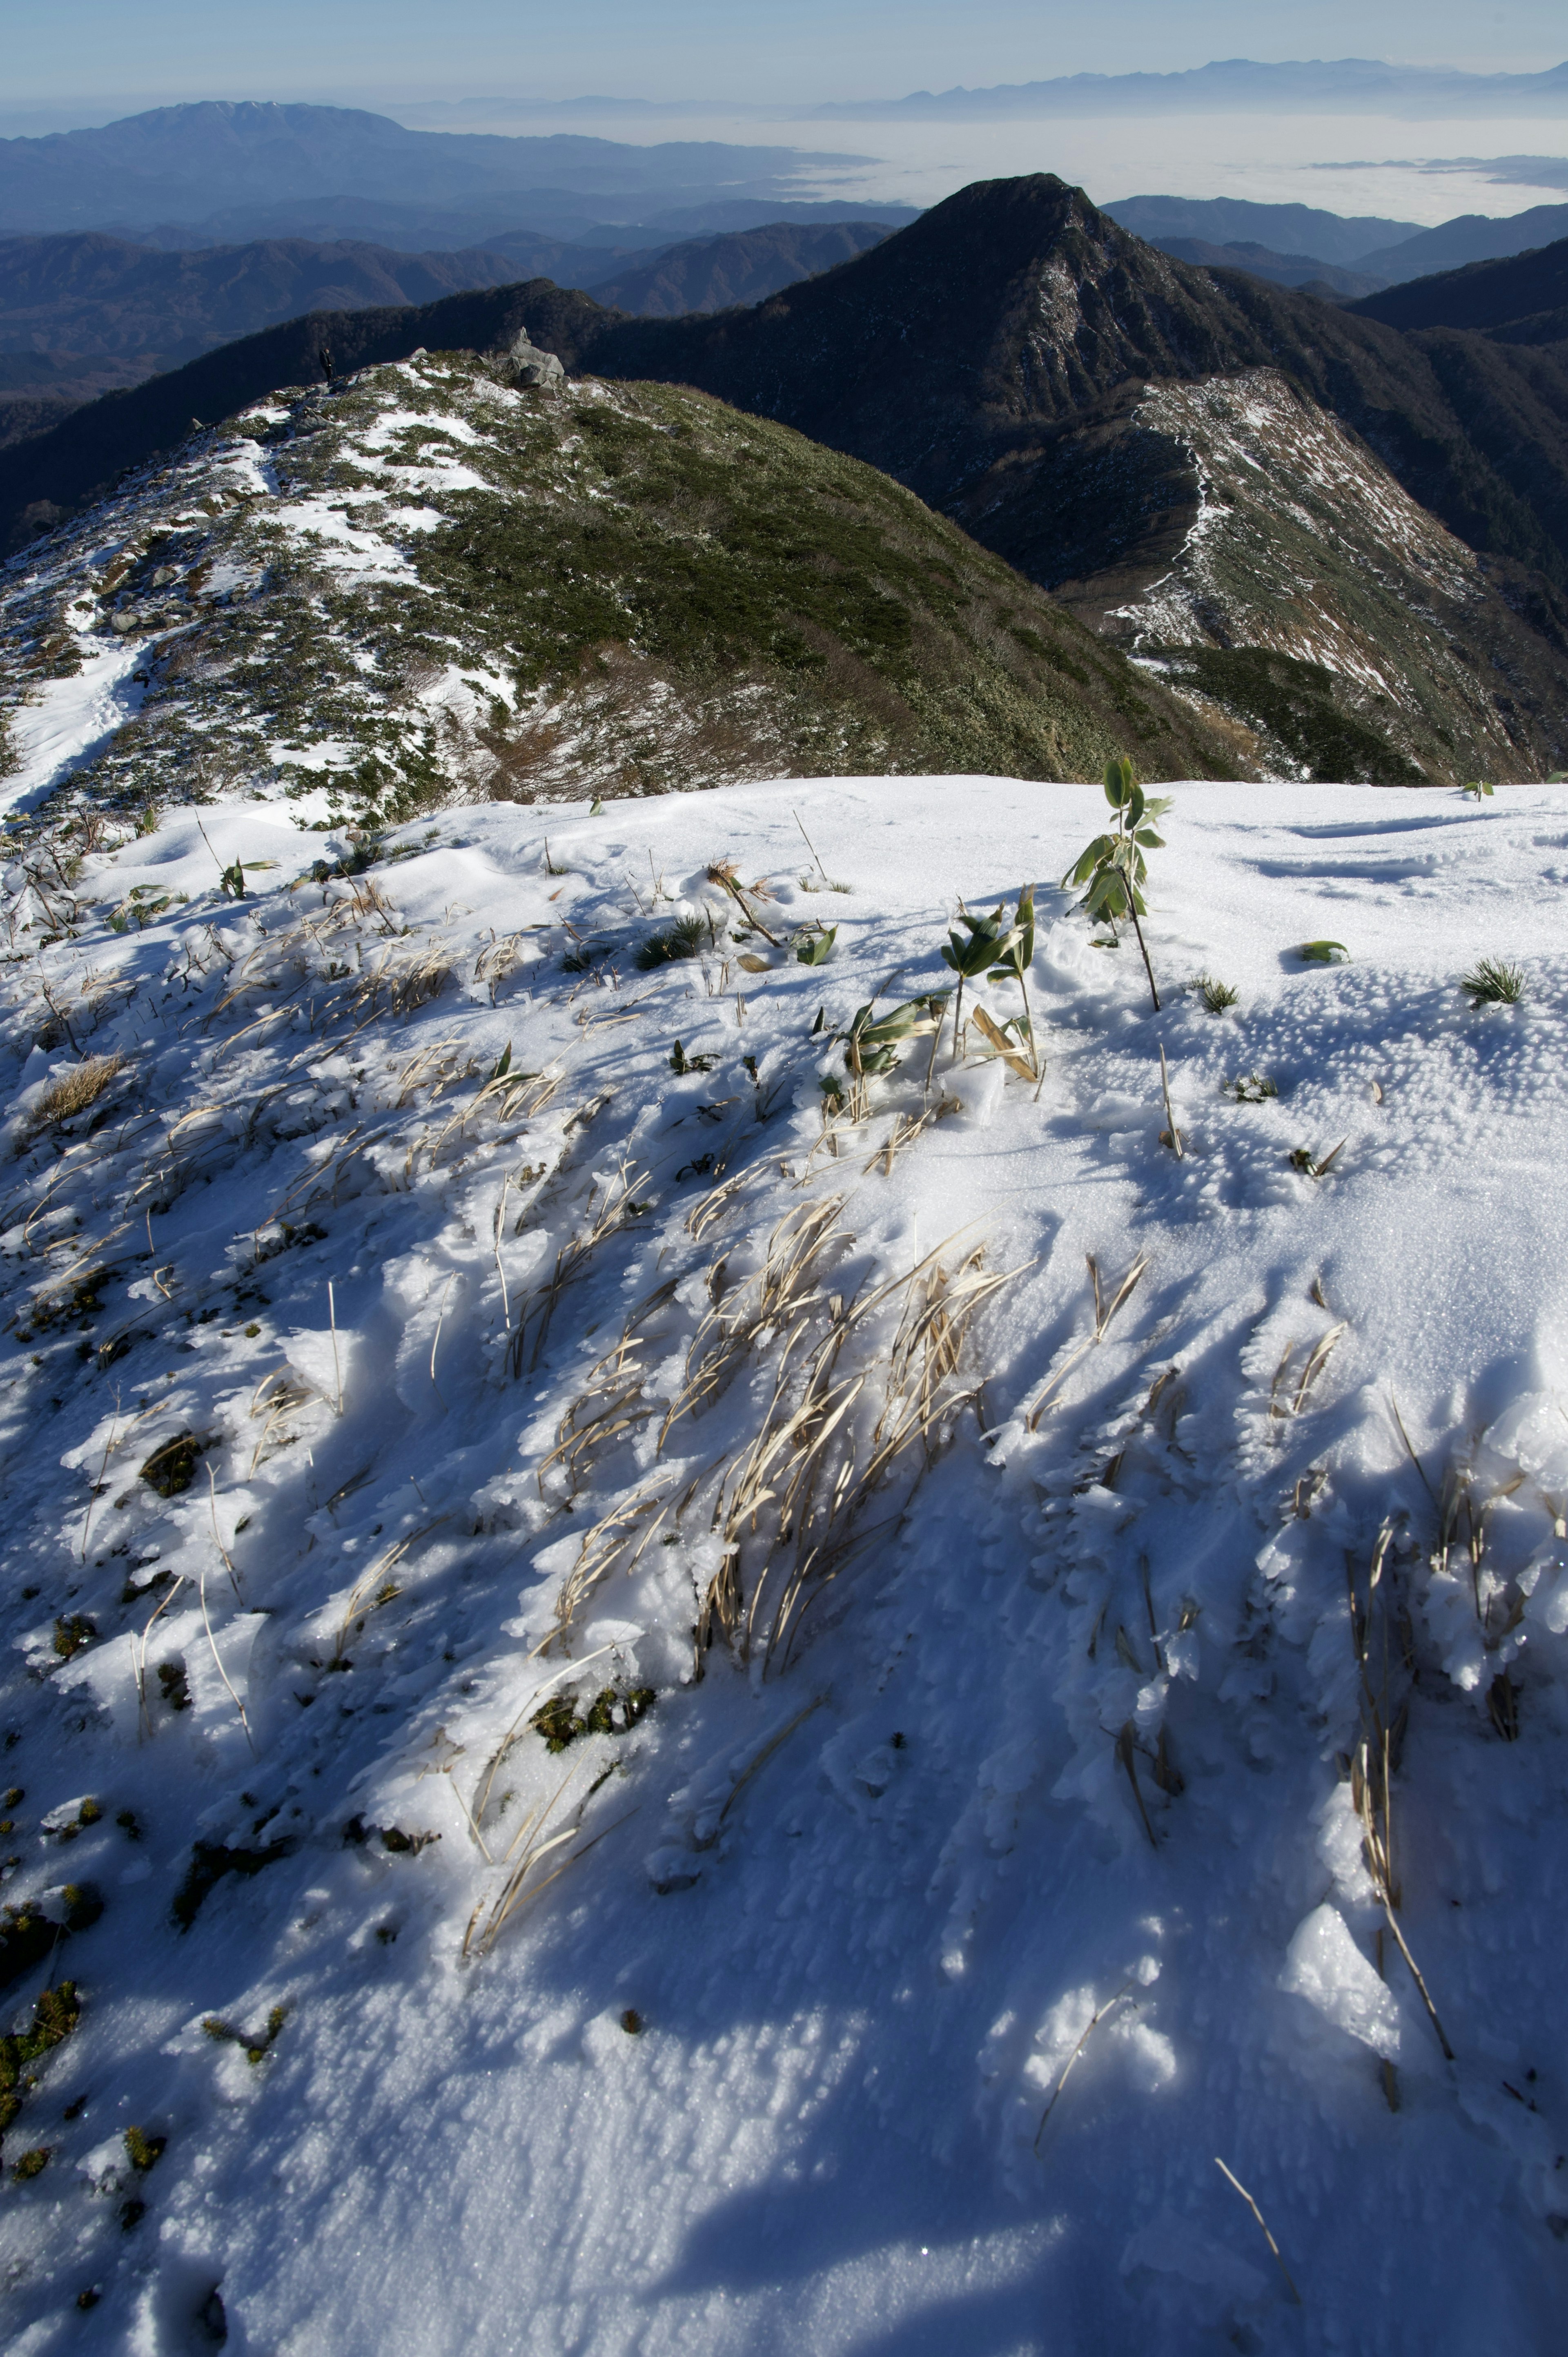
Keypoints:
(1048, 1809)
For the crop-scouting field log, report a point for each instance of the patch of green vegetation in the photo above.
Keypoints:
(256, 2050)
(1491, 982)
(143, 2150)
(32, 2164)
(55, 2014)
(1253, 1088)
(171, 1469)
(614, 1711)
(731, 556)
(683, 938)
(89, 1814)
(80, 1302)
(1295, 703)
(73, 1633)
(680, 594)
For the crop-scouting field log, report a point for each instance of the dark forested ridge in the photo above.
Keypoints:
(1521, 300)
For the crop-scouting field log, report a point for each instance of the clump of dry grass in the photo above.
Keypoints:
(1282, 1401)
(1383, 1640)
(864, 1386)
(407, 983)
(72, 1094)
(1105, 1312)
(610, 1205)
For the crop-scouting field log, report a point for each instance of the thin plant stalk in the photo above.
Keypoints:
(1094, 2021)
(336, 1368)
(1231, 2179)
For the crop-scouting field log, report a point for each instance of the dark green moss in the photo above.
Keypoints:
(55, 2014)
(613, 1711)
(72, 1634)
(144, 2151)
(171, 1469)
(223, 2033)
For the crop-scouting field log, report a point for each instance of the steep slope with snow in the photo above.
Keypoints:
(664, 1696)
(1309, 596)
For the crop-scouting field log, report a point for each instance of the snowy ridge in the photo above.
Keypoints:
(1305, 543)
(231, 551)
(422, 585)
(424, 1362)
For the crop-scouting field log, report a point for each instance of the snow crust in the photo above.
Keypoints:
(895, 1994)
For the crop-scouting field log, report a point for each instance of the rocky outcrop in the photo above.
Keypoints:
(519, 361)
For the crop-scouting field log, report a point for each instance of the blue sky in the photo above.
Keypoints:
(113, 56)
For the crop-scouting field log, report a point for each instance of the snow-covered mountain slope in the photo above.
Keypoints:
(1304, 547)
(428, 583)
(710, 1713)
(1250, 549)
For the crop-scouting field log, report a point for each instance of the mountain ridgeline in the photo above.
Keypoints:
(427, 583)
(1381, 584)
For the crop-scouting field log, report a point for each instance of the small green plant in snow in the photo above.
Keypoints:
(980, 948)
(1112, 867)
(1217, 997)
(1491, 983)
(871, 1045)
(683, 938)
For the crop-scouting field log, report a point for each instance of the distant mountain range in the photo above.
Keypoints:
(88, 312)
(577, 222)
(1471, 237)
(89, 295)
(1387, 252)
(84, 315)
(1335, 86)
(1284, 229)
(221, 160)
(1383, 577)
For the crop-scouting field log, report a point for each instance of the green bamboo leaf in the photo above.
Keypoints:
(815, 949)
